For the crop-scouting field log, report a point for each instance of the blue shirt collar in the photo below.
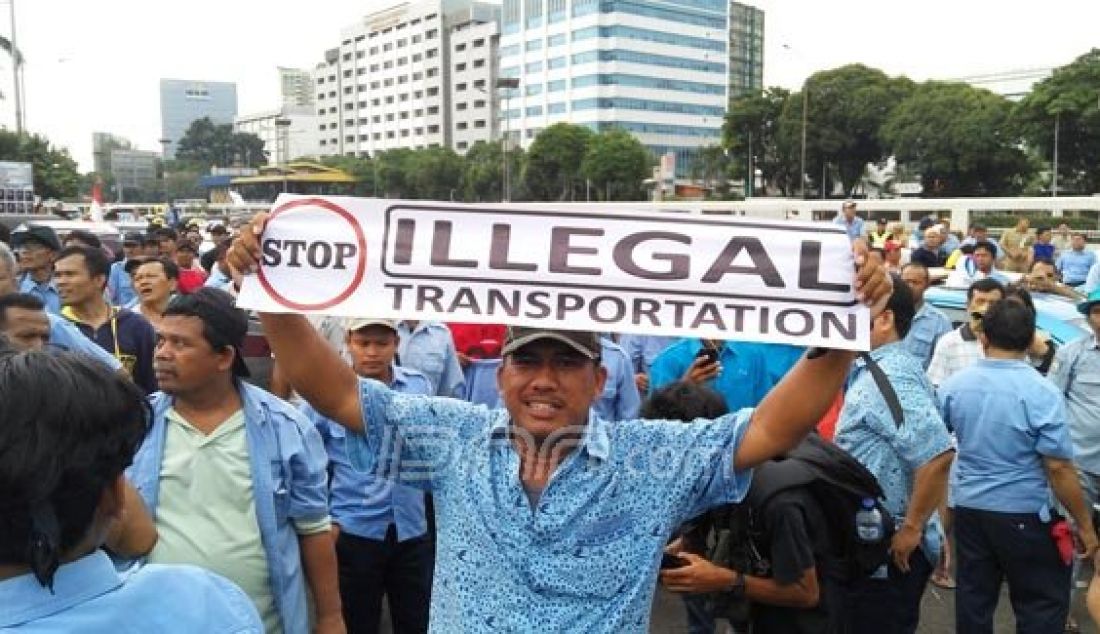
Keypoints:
(882, 351)
(596, 441)
(23, 599)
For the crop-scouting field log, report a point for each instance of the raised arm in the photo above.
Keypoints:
(793, 408)
(305, 359)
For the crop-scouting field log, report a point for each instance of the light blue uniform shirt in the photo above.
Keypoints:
(1006, 418)
(289, 482)
(854, 229)
(218, 280)
(584, 557)
(431, 350)
(749, 370)
(120, 288)
(47, 292)
(929, 324)
(65, 335)
(89, 595)
(481, 382)
(643, 349)
(1076, 372)
(620, 399)
(867, 430)
(1075, 265)
(362, 504)
(1092, 282)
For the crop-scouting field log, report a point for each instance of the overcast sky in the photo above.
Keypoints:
(95, 65)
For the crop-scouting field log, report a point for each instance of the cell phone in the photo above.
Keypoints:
(671, 562)
(710, 354)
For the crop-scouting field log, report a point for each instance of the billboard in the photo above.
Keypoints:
(16, 188)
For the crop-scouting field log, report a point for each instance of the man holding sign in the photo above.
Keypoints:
(575, 541)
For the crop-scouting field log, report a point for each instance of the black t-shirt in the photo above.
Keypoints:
(930, 259)
(794, 538)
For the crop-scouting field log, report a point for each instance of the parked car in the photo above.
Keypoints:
(1055, 315)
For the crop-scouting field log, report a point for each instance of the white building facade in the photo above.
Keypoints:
(474, 38)
(659, 70)
(388, 84)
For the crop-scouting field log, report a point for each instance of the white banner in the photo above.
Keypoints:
(606, 269)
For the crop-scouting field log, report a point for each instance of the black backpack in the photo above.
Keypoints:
(839, 484)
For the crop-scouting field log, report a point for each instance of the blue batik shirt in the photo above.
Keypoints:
(363, 504)
(867, 430)
(585, 556)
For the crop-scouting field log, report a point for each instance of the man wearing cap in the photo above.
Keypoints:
(234, 477)
(37, 246)
(549, 518)
(848, 219)
(879, 235)
(979, 233)
(120, 288)
(383, 544)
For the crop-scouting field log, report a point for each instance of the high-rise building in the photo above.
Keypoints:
(133, 172)
(296, 87)
(658, 69)
(389, 83)
(474, 36)
(183, 101)
(746, 49)
(288, 133)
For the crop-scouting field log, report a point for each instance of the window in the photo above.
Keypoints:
(555, 40)
(348, 89)
(419, 94)
(532, 67)
(478, 43)
(404, 79)
(533, 89)
(459, 48)
(362, 70)
(388, 64)
(478, 63)
(432, 72)
(555, 62)
(460, 87)
(460, 106)
(322, 127)
(349, 105)
(405, 115)
(401, 61)
(433, 110)
(534, 111)
(347, 73)
(480, 103)
(363, 137)
(419, 130)
(417, 57)
(404, 96)
(390, 134)
(419, 112)
(374, 85)
(360, 54)
(388, 46)
(479, 123)
(374, 50)
(389, 99)
(432, 52)
(460, 67)
(402, 42)
(362, 104)
(479, 83)
(374, 68)
(349, 138)
(433, 91)
(389, 117)
(417, 76)
(416, 39)
(377, 136)
(433, 129)
(461, 125)
(404, 133)
(556, 108)
(376, 102)
(388, 82)
(432, 34)
(347, 57)
(511, 49)
(461, 145)
(555, 85)
(533, 45)
(376, 118)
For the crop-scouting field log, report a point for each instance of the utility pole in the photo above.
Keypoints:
(1054, 176)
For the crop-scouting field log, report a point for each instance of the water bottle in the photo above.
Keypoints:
(869, 530)
(869, 527)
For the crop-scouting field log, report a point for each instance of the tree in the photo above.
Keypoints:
(55, 172)
(434, 173)
(1070, 97)
(846, 108)
(754, 119)
(483, 172)
(616, 163)
(712, 166)
(205, 144)
(363, 170)
(553, 169)
(961, 140)
(393, 168)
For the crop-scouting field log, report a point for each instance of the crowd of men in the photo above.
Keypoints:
(481, 478)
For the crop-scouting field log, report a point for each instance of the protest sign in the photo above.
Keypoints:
(605, 269)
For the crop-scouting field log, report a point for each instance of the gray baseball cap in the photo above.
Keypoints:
(586, 343)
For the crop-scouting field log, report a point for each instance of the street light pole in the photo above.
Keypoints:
(507, 83)
(802, 164)
(15, 64)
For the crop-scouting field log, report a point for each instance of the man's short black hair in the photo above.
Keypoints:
(166, 233)
(1017, 293)
(1009, 325)
(223, 324)
(1041, 229)
(977, 226)
(85, 237)
(95, 260)
(5, 234)
(919, 266)
(68, 429)
(684, 400)
(171, 270)
(26, 301)
(1038, 261)
(984, 285)
(902, 305)
(986, 246)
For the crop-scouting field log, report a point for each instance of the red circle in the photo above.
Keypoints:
(361, 266)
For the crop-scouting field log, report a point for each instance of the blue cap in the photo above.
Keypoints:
(1086, 306)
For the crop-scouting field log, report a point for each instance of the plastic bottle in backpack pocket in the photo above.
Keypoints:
(870, 530)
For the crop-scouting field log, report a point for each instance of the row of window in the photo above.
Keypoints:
(378, 136)
(462, 125)
(642, 81)
(636, 57)
(397, 27)
(627, 103)
(477, 63)
(478, 43)
(649, 35)
(376, 119)
(586, 7)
